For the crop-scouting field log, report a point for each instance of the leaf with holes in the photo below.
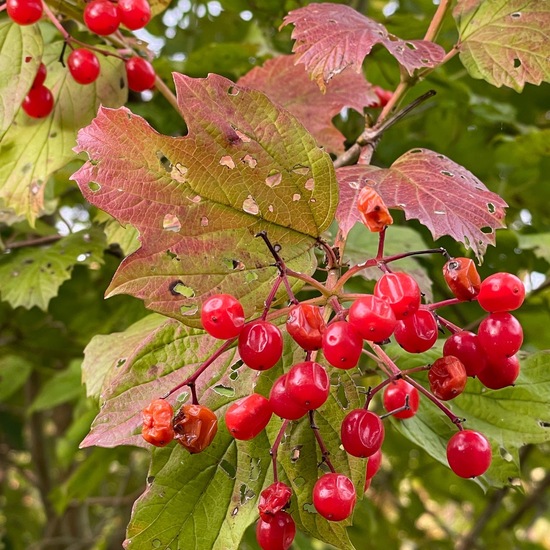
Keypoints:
(442, 195)
(246, 166)
(505, 42)
(304, 100)
(331, 37)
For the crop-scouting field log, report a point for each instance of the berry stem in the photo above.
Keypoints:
(443, 303)
(381, 241)
(448, 325)
(271, 297)
(395, 257)
(404, 407)
(275, 448)
(322, 447)
(385, 358)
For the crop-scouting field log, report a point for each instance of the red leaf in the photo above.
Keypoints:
(304, 100)
(442, 195)
(331, 37)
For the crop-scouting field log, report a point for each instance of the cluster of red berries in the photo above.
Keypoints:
(101, 17)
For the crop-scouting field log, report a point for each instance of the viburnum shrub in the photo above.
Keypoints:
(268, 330)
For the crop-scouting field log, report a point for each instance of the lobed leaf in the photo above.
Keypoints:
(332, 37)
(20, 54)
(505, 42)
(32, 149)
(442, 195)
(304, 100)
(32, 277)
(246, 166)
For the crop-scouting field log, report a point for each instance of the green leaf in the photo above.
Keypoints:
(14, 371)
(32, 149)
(32, 276)
(505, 42)
(20, 54)
(509, 418)
(246, 166)
(539, 242)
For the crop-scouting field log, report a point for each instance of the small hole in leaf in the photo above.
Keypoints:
(204, 221)
(94, 187)
(237, 265)
(517, 63)
(300, 169)
(491, 207)
(227, 161)
(28, 59)
(516, 15)
(250, 206)
(415, 151)
(188, 310)
(310, 184)
(150, 479)
(235, 511)
(178, 288)
(310, 508)
(237, 365)
(250, 161)
(164, 162)
(228, 469)
(296, 197)
(447, 173)
(425, 61)
(277, 247)
(171, 223)
(233, 376)
(120, 362)
(487, 230)
(544, 424)
(246, 493)
(233, 90)
(505, 454)
(410, 45)
(273, 179)
(224, 390)
(172, 256)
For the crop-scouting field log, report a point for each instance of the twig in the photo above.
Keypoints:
(38, 241)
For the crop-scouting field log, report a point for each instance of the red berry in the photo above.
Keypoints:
(40, 77)
(401, 291)
(362, 433)
(260, 345)
(140, 74)
(281, 404)
(342, 345)
(101, 17)
(500, 373)
(157, 423)
(222, 316)
(395, 396)
(38, 103)
(334, 496)
(248, 416)
(417, 333)
(500, 335)
(447, 377)
(195, 427)
(468, 453)
(372, 318)
(501, 292)
(134, 14)
(373, 464)
(305, 324)
(465, 346)
(462, 277)
(308, 385)
(383, 97)
(24, 12)
(277, 533)
(83, 66)
(273, 499)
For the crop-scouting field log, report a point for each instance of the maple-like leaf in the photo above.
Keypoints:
(442, 195)
(505, 42)
(304, 100)
(331, 37)
(246, 166)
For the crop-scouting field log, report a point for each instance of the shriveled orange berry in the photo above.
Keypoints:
(157, 423)
(195, 427)
(374, 212)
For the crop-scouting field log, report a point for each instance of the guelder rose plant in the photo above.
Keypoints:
(247, 383)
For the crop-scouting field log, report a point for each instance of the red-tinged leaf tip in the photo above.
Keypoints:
(304, 100)
(332, 37)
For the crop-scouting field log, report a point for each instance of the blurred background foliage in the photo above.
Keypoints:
(53, 495)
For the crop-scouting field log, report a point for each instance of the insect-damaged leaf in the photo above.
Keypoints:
(246, 165)
(442, 195)
(505, 42)
(330, 37)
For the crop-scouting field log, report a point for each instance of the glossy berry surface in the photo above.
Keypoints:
(101, 17)
(282, 404)
(342, 345)
(140, 74)
(157, 423)
(469, 454)
(222, 316)
(24, 12)
(40, 76)
(383, 97)
(308, 385)
(195, 427)
(395, 396)
(373, 464)
(334, 496)
(462, 278)
(362, 433)
(501, 292)
(447, 377)
(418, 332)
(260, 345)
(273, 499)
(500, 373)
(134, 14)
(465, 346)
(305, 325)
(500, 335)
(277, 533)
(401, 291)
(248, 416)
(372, 318)
(38, 103)
(83, 65)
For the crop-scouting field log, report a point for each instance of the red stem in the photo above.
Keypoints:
(322, 447)
(275, 448)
